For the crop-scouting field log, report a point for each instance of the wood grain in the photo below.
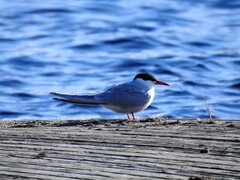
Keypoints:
(118, 149)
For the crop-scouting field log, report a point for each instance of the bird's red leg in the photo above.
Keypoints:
(133, 116)
(128, 117)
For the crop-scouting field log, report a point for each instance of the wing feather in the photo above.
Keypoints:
(124, 95)
(78, 99)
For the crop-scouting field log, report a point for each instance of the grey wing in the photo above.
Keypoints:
(78, 99)
(124, 95)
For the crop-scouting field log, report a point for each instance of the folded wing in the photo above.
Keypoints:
(124, 95)
(87, 100)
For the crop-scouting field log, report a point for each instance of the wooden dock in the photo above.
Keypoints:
(117, 149)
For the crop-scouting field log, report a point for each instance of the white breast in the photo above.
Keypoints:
(151, 93)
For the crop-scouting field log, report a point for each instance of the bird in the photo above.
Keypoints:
(126, 98)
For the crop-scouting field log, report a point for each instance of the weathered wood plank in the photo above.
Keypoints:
(92, 149)
(118, 149)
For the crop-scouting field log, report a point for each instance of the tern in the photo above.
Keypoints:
(126, 98)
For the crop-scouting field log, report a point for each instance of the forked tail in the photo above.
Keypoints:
(86, 100)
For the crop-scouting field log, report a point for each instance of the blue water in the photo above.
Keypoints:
(84, 46)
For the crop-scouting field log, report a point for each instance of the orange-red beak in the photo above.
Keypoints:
(161, 83)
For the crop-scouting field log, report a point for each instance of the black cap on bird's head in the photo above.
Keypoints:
(146, 76)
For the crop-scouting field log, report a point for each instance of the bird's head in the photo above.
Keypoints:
(148, 79)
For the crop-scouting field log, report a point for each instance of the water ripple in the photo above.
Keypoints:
(85, 46)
